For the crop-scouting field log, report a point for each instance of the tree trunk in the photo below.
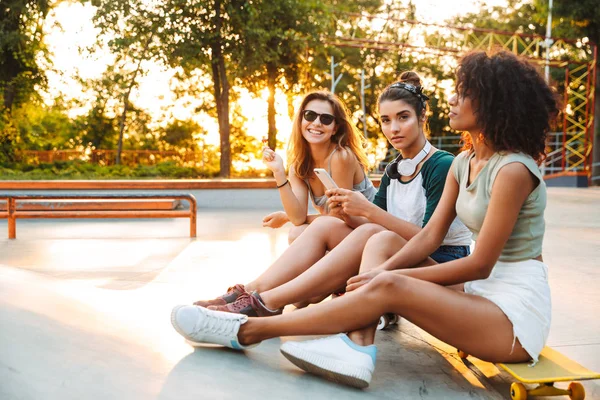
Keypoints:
(595, 179)
(122, 127)
(126, 99)
(223, 117)
(221, 93)
(271, 83)
(9, 96)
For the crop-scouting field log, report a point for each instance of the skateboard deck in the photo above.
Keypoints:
(552, 367)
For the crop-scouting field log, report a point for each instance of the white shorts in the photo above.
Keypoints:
(521, 291)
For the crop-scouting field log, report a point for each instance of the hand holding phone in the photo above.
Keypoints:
(325, 178)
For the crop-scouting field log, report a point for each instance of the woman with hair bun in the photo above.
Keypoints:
(329, 251)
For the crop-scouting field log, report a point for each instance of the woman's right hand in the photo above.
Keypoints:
(350, 202)
(275, 220)
(272, 160)
(360, 280)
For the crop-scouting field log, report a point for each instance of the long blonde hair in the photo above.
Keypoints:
(346, 135)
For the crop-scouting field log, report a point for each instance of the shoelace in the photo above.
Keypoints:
(243, 301)
(216, 324)
(238, 287)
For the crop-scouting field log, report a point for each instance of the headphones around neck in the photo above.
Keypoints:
(407, 166)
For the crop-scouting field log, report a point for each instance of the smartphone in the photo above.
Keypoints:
(327, 180)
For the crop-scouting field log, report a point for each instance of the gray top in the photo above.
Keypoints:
(525, 241)
(365, 187)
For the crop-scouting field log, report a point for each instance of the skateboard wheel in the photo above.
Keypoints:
(462, 354)
(394, 319)
(576, 391)
(383, 322)
(518, 391)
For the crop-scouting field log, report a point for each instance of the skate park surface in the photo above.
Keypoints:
(85, 310)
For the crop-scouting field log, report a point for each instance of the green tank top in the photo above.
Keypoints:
(525, 241)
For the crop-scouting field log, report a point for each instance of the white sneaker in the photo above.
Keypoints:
(335, 357)
(200, 326)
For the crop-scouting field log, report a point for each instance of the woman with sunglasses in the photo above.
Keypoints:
(328, 253)
(322, 137)
(494, 304)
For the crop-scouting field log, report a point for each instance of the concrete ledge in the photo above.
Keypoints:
(567, 180)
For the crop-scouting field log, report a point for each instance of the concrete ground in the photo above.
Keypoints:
(85, 306)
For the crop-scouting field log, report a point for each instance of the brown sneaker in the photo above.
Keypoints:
(248, 303)
(232, 294)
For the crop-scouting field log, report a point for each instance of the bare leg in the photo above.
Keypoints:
(328, 274)
(471, 323)
(322, 235)
(295, 232)
(379, 248)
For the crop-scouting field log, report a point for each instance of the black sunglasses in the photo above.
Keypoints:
(310, 116)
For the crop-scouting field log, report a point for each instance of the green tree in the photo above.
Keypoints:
(577, 20)
(42, 127)
(200, 35)
(181, 134)
(278, 39)
(96, 130)
(21, 45)
(129, 28)
(21, 42)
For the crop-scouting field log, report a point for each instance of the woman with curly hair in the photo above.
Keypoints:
(322, 137)
(494, 304)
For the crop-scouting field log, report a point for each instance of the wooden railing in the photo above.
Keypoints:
(108, 157)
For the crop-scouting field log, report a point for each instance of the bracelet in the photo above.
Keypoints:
(283, 184)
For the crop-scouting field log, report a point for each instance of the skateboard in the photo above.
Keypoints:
(552, 367)
(386, 320)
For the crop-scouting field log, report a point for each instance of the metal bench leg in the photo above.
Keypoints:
(12, 222)
(193, 215)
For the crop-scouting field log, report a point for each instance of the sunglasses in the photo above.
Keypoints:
(310, 116)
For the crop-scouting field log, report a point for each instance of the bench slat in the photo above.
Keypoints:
(103, 214)
(85, 205)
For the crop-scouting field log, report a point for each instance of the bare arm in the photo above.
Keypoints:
(513, 184)
(356, 210)
(294, 197)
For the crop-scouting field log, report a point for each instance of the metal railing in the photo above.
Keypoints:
(565, 153)
(13, 213)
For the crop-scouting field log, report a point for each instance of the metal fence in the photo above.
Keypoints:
(557, 160)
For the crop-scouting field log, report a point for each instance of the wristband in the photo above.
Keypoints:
(283, 184)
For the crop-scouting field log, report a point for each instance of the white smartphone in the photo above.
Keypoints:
(327, 180)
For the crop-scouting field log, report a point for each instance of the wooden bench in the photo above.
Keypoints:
(41, 205)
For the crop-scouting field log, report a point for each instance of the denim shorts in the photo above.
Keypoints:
(448, 253)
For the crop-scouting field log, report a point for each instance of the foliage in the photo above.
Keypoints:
(278, 39)
(41, 127)
(580, 20)
(83, 170)
(21, 50)
(575, 19)
(129, 28)
(181, 134)
(21, 45)
(211, 45)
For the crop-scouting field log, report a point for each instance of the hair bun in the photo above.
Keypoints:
(410, 77)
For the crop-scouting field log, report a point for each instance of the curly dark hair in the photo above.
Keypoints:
(514, 106)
